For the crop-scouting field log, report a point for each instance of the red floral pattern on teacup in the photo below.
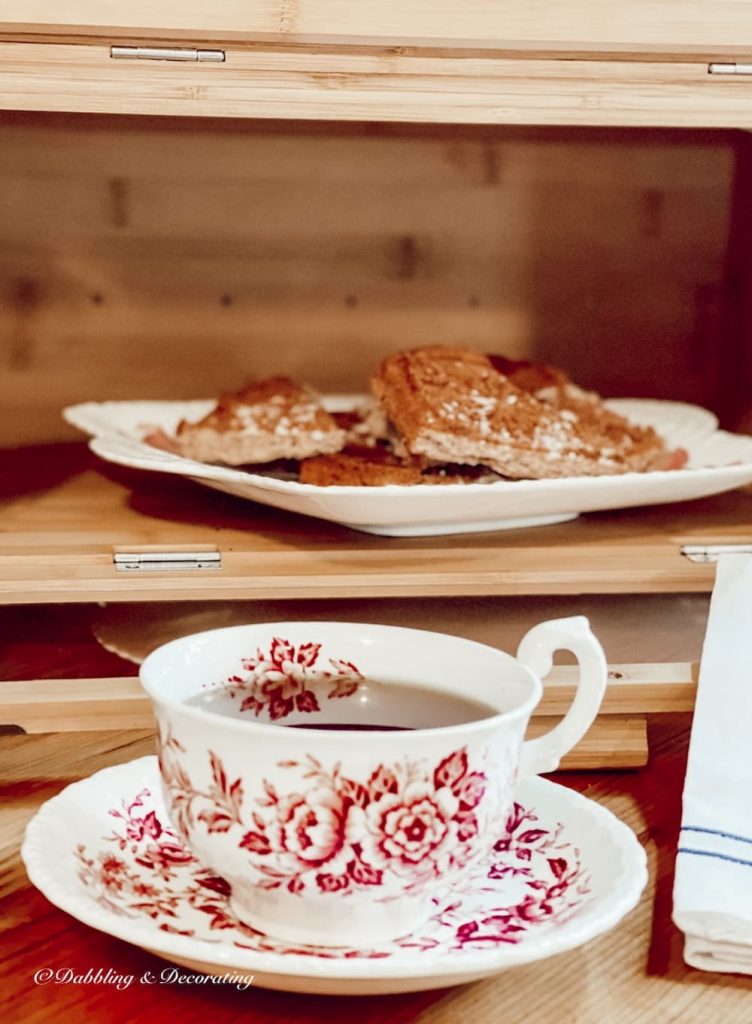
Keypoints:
(532, 881)
(404, 826)
(279, 682)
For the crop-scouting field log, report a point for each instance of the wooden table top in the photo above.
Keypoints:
(634, 975)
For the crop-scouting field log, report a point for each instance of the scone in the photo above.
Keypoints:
(641, 448)
(361, 469)
(375, 467)
(453, 406)
(365, 425)
(265, 421)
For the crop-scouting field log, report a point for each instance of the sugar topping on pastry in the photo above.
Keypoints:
(639, 447)
(454, 405)
(265, 421)
(439, 415)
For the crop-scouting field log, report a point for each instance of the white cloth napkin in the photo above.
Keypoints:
(713, 884)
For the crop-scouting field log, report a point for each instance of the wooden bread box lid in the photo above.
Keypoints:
(584, 62)
(577, 26)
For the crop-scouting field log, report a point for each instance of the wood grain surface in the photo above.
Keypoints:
(72, 705)
(589, 25)
(614, 740)
(389, 87)
(175, 258)
(66, 513)
(48, 661)
(634, 975)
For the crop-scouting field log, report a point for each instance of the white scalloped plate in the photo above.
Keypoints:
(561, 871)
(718, 462)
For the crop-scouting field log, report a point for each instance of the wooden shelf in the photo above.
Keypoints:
(93, 689)
(57, 678)
(615, 740)
(66, 514)
(76, 705)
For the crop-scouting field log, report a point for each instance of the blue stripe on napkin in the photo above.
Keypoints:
(718, 856)
(716, 832)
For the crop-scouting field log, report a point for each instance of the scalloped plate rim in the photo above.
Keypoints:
(143, 457)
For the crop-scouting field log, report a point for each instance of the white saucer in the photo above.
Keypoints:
(563, 870)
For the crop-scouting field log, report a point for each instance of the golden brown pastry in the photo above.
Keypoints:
(265, 421)
(454, 406)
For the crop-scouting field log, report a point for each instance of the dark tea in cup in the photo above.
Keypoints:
(367, 705)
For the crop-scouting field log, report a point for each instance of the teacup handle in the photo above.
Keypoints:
(536, 650)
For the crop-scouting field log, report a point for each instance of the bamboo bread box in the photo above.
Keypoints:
(192, 196)
(196, 195)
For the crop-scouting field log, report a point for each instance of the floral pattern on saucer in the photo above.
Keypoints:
(532, 880)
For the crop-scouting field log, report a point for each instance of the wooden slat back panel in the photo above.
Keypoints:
(172, 259)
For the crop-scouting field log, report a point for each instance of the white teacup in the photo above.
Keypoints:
(343, 837)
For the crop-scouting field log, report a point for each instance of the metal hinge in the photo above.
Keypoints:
(729, 69)
(166, 53)
(712, 552)
(166, 561)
